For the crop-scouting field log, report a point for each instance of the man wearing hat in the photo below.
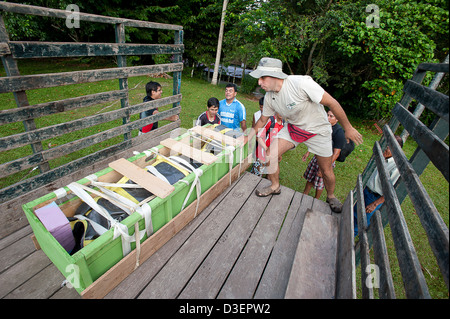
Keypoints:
(300, 101)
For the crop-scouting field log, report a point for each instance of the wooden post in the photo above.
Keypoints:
(123, 82)
(21, 96)
(178, 58)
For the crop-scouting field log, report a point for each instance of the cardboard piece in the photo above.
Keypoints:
(54, 220)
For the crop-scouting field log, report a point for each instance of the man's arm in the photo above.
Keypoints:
(350, 132)
(254, 130)
(371, 207)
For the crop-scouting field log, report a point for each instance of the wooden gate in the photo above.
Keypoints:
(431, 147)
(29, 149)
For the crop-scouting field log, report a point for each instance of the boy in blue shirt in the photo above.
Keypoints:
(232, 112)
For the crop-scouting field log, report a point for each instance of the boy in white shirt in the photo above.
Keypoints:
(373, 192)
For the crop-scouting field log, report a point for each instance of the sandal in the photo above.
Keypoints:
(335, 204)
(268, 191)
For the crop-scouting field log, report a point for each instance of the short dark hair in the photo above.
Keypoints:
(261, 101)
(232, 85)
(399, 140)
(152, 86)
(213, 102)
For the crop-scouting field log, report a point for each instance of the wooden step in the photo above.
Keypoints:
(313, 273)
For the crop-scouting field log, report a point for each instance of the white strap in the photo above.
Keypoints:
(167, 159)
(196, 182)
(108, 196)
(60, 192)
(154, 171)
(119, 229)
(127, 185)
(85, 197)
(97, 227)
(145, 210)
(92, 177)
(180, 161)
(230, 154)
(241, 156)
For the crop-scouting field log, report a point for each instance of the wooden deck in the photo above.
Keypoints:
(240, 246)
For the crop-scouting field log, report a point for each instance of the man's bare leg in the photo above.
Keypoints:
(329, 180)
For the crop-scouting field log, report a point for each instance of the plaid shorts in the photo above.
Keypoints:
(259, 168)
(311, 174)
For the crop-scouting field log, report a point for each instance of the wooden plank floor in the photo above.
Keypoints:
(240, 246)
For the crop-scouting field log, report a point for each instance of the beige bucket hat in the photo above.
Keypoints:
(269, 67)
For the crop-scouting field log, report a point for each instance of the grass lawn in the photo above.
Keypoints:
(195, 93)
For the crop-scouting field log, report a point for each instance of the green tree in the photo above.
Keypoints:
(200, 20)
(384, 57)
(362, 65)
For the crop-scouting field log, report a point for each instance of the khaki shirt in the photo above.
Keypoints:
(298, 102)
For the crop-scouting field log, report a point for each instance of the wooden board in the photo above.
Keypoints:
(40, 81)
(248, 269)
(34, 49)
(345, 272)
(186, 150)
(171, 279)
(276, 274)
(143, 178)
(314, 269)
(215, 267)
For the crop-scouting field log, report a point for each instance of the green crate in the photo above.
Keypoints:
(88, 264)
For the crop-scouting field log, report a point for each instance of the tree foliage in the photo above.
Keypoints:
(409, 33)
(200, 20)
(362, 65)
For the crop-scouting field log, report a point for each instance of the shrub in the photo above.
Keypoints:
(248, 84)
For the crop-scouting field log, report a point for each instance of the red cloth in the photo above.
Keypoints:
(147, 128)
(269, 135)
(299, 135)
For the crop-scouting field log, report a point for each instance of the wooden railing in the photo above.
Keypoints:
(431, 147)
(34, 135)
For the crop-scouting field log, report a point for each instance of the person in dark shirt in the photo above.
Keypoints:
(154, 92)
(210, 116)
(313, 175)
